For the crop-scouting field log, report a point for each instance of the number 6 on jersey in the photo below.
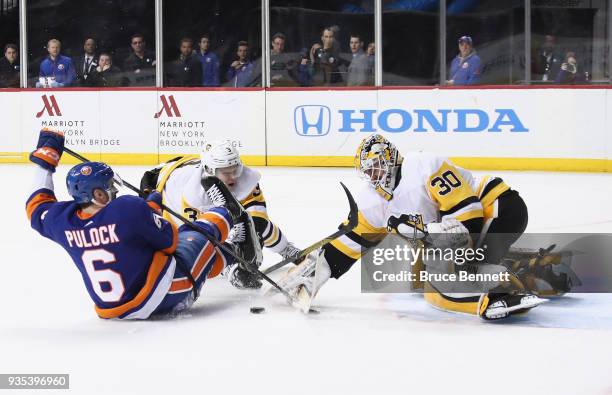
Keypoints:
(109, 276)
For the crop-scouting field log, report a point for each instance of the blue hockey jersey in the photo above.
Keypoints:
(123, 251)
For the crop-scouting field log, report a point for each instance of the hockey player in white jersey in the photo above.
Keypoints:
(180, 182)
(452, 205)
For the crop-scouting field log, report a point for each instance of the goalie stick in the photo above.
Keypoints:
(344, 229)
(197, 229)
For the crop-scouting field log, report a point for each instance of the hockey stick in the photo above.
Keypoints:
(193, 227)
(344, 229)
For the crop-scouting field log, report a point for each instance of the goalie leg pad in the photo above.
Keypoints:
(304, 281)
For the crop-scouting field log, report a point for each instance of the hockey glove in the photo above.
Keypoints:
(449, 233)
(49, 149)
(241, 278)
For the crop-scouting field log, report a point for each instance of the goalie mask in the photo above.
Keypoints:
(377, 160)
(220, 155)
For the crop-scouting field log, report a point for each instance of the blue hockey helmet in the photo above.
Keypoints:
(84, 178)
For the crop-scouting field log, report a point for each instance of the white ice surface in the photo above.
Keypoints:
(358, 344)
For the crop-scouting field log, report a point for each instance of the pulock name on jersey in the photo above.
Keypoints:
(92, 237)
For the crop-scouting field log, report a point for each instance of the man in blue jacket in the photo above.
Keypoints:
(241, 72)
(465, 68)
(56, 70)
(210, 63)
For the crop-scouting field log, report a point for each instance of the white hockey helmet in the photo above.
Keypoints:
(220, 155)
(377, 161)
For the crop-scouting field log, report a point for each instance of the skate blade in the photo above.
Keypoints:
(503, 312)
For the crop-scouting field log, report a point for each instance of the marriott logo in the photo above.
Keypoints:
(50, 106)
(169, 107)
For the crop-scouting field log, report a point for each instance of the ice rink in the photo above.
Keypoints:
(358, 344)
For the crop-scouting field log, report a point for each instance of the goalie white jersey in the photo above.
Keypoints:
(429, 185)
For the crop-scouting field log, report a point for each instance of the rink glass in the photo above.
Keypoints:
(9, 24)
(110, 23)
(302, 23)
(498, 32)
(419, 37)
(411, 43)
(583, 29)
(226, 23)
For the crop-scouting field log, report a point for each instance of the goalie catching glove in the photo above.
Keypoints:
(448, 233)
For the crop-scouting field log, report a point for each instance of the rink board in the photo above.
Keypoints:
(520, 129)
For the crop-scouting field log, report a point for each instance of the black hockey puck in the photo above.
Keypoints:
(258, 310)
(313, 311)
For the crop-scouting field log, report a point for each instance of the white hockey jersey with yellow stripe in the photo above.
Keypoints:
(430, 186)
(179, 183)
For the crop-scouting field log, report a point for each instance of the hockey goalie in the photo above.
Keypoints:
(455, 210)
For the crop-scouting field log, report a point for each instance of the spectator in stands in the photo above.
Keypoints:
(359, 71)
(106, 73)
(283, 66)
(324, 60)
(56, 70)
(465, 67)
(141, 62)
(370, 52)
(278, 43)
(9, 67)
(547, 61)
(209, 61)
(303, 69)
(187, 69)
(371, 49)
(242, 71)
(87, 62)
(570, 72)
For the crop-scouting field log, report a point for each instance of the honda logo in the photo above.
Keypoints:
(315, 120)
(50, 106)
(312, 120)
(169, 106)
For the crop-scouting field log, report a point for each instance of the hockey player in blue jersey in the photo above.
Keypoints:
(134, 263)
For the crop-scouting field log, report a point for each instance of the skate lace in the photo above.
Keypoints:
(237, 234)
(216, 196)
(289, 251)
